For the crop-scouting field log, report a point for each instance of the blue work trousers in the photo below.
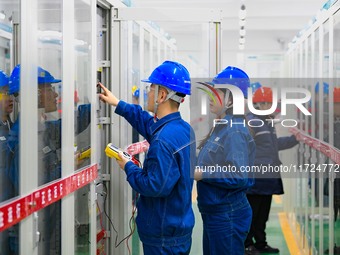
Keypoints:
(225, 233)
(181, 249)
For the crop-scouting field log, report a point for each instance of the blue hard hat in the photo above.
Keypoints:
(325, 88)
(43, 77)
(135, 91)
(254, 86)
(171, 75)
(234, 76)
(4, 79)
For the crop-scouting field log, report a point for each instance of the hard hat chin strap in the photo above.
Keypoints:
(172, 95)
(155, 109)
(226, 103)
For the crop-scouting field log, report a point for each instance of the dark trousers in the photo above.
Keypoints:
(260, 205)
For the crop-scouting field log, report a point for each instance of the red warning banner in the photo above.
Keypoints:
(16, 210)
(325, 148)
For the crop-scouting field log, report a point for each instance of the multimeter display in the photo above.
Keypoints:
(113, 151)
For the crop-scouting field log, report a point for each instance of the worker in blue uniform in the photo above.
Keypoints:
(49, 158)
(221, 197)
(267, 153)
(6, 189)
(336, 139)
(165, 218)
(336, 144)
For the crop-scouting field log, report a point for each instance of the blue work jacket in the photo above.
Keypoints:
(165, 216)
(268, 146)
(6, 188)
(12, 168)
(228, 146)
(49, 163)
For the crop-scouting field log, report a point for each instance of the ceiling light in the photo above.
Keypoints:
(241, 46)
(243, 13)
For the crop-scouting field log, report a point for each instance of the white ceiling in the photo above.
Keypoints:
(268, 22)
(261, 14)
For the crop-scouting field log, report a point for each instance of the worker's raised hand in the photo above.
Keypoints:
(107, 96)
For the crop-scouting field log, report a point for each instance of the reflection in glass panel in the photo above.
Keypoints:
(136, 83)
(82, 108)
(49, 119)
(9, 168)
(49, 90)
(6, 100)
(135, 86)
(147, 63)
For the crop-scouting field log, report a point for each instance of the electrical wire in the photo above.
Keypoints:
(132, 222)
(132, 229)
(101, 225)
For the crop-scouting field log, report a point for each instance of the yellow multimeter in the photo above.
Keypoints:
(113, 151)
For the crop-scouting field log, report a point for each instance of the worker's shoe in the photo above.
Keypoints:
(251, 250)
(268, 249)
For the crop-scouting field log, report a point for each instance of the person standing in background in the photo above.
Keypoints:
(336, 139)
(267, 153)
(221, 197)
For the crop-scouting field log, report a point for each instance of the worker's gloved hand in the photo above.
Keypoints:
(137, 148)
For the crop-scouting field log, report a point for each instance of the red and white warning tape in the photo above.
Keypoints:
(14, 211)
(325, 148)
